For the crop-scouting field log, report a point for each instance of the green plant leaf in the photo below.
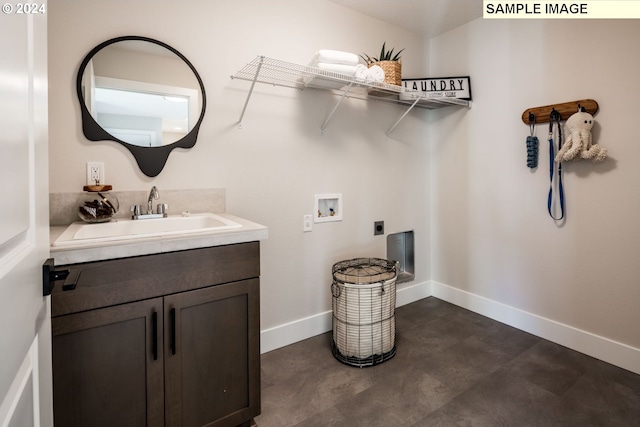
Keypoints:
(397, 57)
(385, 55)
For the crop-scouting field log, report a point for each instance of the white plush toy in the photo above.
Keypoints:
(578, 143)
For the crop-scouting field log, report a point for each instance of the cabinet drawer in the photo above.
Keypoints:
(106, 283)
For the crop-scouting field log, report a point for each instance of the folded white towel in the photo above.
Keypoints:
(329, 81)
(349, 70)
(328, 56)
(323, 83)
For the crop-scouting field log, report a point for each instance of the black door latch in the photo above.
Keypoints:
(50, 275)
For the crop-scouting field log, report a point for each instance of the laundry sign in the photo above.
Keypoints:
(440, 87)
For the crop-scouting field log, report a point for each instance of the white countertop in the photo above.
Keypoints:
(98, 251)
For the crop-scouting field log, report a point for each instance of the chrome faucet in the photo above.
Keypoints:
(153, 194)
(162, 208)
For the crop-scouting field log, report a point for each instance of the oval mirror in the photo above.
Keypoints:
(143, 94)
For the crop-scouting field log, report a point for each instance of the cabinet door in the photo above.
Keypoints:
(212, 355)
(108, 366)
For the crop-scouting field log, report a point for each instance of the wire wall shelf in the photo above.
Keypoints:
(280, 73)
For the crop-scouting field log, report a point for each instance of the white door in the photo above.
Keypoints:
(25, 318)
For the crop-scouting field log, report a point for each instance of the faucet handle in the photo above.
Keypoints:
(162, 208)
(136, 209)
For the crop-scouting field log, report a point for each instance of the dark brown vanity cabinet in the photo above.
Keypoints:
(182, 349)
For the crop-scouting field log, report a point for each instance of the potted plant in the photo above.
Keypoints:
(389, 63)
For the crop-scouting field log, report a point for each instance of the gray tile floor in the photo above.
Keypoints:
(452, 368)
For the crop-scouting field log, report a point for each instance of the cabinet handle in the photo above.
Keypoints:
(172, 315)
(154, 332)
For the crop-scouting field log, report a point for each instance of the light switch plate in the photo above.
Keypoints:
(307, 223)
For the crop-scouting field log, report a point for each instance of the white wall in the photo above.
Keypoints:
(456, 176)
(271, 168)
(492, 236)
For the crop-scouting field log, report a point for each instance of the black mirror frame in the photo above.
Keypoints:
(151, 160)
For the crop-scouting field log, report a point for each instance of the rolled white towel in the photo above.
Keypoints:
(362, 72)
(328, 56)
(376, 74)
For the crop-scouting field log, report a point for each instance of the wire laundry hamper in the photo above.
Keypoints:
(364, 301)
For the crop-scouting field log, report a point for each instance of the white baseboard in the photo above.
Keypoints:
(292, 332)
(602, 348)
(301, 329)
(406, 294)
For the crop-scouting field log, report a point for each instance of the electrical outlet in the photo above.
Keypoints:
(95, 173)
(307, 223)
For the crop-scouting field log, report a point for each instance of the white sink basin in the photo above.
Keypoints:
(127, 229)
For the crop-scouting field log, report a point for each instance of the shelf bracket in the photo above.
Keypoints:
(402, 117)
(344, 95)
(253, 83)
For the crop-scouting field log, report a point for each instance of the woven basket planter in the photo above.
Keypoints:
(392, 71)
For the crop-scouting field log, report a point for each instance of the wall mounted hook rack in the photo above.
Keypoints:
(566, 109)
